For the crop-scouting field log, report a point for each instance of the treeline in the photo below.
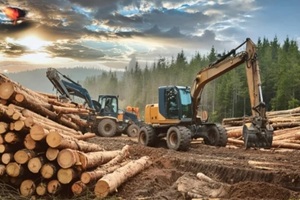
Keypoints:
(227, 96)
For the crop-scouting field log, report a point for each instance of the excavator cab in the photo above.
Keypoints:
(175, 102)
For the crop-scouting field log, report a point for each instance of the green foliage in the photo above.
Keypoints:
(227, 96)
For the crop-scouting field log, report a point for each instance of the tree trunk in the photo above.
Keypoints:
(59, 141)
(92, 176)
(93, 159)
(111, 182)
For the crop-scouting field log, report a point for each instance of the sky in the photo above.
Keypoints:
(114, 34)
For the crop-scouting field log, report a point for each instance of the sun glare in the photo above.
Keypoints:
(31, 42)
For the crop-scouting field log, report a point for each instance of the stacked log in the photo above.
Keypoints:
(43, 150)
(286, 125)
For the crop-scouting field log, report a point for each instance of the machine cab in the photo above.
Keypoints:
(109, 105)
(175, 102)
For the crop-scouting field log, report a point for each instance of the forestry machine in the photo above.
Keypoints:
(177, 115)
(106, 119)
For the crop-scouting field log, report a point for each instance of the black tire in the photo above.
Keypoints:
(213, 136)
(107, 128)
(179, 138)
(223, 136)
(147, 136)
(133, 130)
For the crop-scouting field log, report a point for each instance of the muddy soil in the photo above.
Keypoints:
(251, 173)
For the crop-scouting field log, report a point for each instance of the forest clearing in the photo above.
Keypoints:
(48, 157)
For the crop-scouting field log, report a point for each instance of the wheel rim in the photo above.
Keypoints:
(173, 139)
(107, 127)
(142, 137)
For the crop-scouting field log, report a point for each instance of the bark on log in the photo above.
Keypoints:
(235, 141)
(112, 181)
(289, 135)
(59, 141)
(41, 108)
(88, 177)
(93, 159)
(279, 144)
(47, 123)
(91, 176)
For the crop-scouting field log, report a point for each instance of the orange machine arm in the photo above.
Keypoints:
(225, 64)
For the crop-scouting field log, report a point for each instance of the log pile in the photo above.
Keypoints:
(44, 152)
(286, 124)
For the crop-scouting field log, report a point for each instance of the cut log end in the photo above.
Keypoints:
(27, 188)
(52, 153)
(48, 170)
(102, 189)
(65, 176)
(67, 158)
(53, 187)
(14, 169)
(78, 188)
(85, 177)
(6, 90)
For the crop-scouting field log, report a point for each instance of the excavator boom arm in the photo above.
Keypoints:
(258, 133)
(225, 64)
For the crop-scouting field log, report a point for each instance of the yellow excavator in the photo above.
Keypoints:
(177, 116)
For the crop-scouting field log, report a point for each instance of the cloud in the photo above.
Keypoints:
(112, 30)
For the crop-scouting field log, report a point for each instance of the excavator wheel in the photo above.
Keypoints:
(133, 130)
(253, 137)
(213, 136)
(107, 128)
(179, 138)
(223, 136)
(147, 136)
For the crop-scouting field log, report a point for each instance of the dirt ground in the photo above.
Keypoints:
(250, 174)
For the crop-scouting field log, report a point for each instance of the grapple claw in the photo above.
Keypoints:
(260, 138)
